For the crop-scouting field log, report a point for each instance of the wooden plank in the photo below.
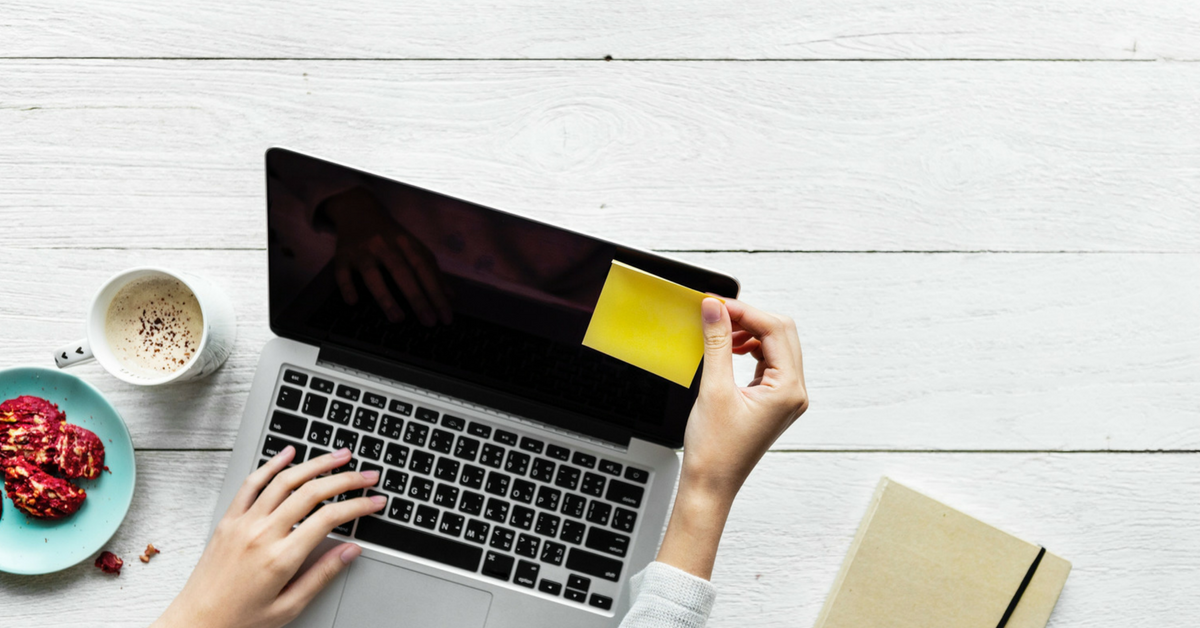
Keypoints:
(696, 156)
(903, 351)
(856, 29)
(1126, 522)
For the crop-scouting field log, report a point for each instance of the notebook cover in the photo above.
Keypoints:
(917, 563)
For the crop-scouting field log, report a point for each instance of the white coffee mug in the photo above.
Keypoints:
(220, 328)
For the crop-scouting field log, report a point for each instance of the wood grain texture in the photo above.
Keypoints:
(855, 29)
(1126, 522)
(912, 352)
(696, 156)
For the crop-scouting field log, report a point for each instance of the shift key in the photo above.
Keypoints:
(594, 564)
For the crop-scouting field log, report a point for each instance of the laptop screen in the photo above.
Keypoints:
(484, 300)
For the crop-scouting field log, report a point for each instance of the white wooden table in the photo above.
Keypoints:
(984, 216)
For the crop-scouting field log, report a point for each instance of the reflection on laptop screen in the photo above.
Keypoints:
(469, 293)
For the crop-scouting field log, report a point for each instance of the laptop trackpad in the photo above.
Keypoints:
(378, 594)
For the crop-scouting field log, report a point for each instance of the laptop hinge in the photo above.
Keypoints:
(479, 398)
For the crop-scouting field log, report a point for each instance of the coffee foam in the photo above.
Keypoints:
(154, 326)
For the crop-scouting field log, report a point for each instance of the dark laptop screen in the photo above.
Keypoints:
(487, 301)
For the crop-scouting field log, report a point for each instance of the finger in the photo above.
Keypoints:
(402, 274)
(289, 480)
(254, 483)
(345, 283)
(330, 516)
(749, 346)
(718, 345)
(430, 277)
(770, 330)
(307, 585)
(379, 290)
(302, 500)
(741, 337)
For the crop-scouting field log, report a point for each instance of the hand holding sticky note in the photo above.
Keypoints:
(649, 322)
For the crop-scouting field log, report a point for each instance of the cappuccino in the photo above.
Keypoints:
(154, 326)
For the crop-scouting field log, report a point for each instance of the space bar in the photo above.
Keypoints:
(436, 548)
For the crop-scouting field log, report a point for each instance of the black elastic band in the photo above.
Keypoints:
(1012, 605)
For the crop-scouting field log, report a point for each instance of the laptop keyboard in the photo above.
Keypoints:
(469, 493)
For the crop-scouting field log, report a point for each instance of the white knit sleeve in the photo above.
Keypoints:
(666, 597)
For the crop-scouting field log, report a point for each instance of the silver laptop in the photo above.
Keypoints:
(527, 476)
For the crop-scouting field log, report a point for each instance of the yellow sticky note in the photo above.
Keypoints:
(649, 322)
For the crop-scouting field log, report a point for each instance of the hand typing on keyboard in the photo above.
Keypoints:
(245, 577)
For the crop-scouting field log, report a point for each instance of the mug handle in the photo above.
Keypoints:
(74, 353)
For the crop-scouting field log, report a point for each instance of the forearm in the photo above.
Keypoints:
(694, 531)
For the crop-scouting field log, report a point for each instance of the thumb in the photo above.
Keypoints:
(304, 588)
(718, 345)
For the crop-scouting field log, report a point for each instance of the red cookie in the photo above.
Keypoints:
(30, 409)
(38, 493)
(80, 454)
(36, 442)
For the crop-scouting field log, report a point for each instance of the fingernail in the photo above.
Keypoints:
(350, 553)
(710, 310)
(284, 451)
(379, 500)
(370, 476)
(342, 453)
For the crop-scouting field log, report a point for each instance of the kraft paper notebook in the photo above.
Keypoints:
(917, 563)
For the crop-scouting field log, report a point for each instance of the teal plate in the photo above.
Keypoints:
(34, 546)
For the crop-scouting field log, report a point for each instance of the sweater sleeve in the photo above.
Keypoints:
(666, 597)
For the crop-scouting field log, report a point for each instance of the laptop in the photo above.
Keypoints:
(527, 476)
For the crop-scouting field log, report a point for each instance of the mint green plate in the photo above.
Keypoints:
(33, 546)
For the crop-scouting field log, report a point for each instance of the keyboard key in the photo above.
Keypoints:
(477, 531)
(575, 596)
(472, 503)
(480, 430)
(446, 496)
(574, 505)
(466, 448)
(322, 385)
(421, 462)
(549, 586)
(527, 546)
(403, 408)
(396, 455)
(532, 444)
(339, 412)
(348, 495)
(293, 377)
(314, 405)
(344, 529)
(592, 484)
(568, 477)
(426, 517)
(446, 470)
(288, 398)
(498, 565)
(542, 471)
(453, 422)
(395, 481)
(349, 466)
(425, 414)
(502, 538)
(548, 498)
(372, 399)
(506, 437)
(288, 424)
(451, 524)
(522, 491)
(415, 434)
(366, 466)
(492, 456)
(274, 444)
(607, 541)
(584, 460)
(594, 564)
(600, 601)
(497, 484)
(578, 582)
(610, 467)
(365, 419)
(316, 453)
(348, 392)
(572, 532)
(522, 517)
(320, 433)
(391, 427)
(547, 524)
(261, 462)
(598, 512)
(637, 475)
(400, 509)
(345, 438)
(623, 493)
(370, 448)
(553, 553)
(496, 510)
(517, 462)
(472, 476)
(559, 453)
(624, 519)
(429, 546)
(441, 441)
(527, 573)
(420, 488)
